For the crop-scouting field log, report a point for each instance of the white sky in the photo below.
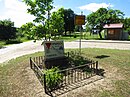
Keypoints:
(94, 6)
(17, 10)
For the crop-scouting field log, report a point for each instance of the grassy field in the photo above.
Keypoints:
(15, 80)
(76, 36)
(84, 35)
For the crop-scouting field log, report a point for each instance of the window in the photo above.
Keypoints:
(110, 31)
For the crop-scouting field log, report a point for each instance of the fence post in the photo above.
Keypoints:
(45, 88)
(30, 62)
(96, 67)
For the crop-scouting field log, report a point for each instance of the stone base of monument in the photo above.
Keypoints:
(61, 62)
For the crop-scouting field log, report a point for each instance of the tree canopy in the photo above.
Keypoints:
(31, 31)
(39, 8)
(61, 20)
(127, 24)
(96, 20)
(57, 22)
(69, 20)
(7, 30)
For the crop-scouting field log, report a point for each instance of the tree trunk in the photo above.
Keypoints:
(65, 33)
(100, 35)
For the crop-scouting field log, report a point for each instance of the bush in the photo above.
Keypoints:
(53, 78)
(77, 59)
(13, 41)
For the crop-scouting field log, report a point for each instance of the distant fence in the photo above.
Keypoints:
(69, 76)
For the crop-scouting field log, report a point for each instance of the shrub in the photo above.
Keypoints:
(53, 78)
(77, 59)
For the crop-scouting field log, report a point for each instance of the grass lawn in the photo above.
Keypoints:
(84, 35)
(17, 79)
(1, 44)
(13, 41)
(67, 38)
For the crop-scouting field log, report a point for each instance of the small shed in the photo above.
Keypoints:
(114, 31)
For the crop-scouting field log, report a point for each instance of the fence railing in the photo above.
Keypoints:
(68, 76)
(37, 69)
(72, 75)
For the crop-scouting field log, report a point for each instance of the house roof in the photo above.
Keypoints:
(107, 26)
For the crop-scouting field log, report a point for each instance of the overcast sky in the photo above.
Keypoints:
(16, 10)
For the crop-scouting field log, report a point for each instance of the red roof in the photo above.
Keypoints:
(107, 26)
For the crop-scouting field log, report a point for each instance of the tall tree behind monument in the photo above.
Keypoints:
(69, 20)
(39, 8)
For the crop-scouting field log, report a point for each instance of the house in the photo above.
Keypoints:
(114, 31)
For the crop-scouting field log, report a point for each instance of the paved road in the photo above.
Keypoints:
(17, 50)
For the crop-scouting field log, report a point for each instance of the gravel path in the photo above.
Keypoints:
(16, 50)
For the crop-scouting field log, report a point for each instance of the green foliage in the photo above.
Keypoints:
(69, 20)
(88, 28)
(7, 30)
(61, 20)
(40, 31)
(57, 22)
(77, 59)
(127, 24)
(26, 30)
(53, 78)
(13, 41)
(31, 31)
(39, 8)
(102, 16)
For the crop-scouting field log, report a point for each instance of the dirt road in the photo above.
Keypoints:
(16, 50)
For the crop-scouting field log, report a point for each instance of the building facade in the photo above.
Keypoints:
(114, 31)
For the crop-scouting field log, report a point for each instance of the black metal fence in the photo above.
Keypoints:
(68, 76)
(35, 64)
(72, 75)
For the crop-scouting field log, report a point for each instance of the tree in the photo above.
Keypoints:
(57, 22)
(69, 20)
(39, 8)
(62, 20)
(27, 31)
(7, 30)
(39, 31)
(97, 19)
(31, 31)
(127, 24)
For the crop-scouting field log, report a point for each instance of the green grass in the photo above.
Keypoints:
(13, 41)
(7, 70)
(68, 38)
(108, 59)
(129, 38)
(76, 36)
(119, 59)
(1, 44)
(84, 35)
